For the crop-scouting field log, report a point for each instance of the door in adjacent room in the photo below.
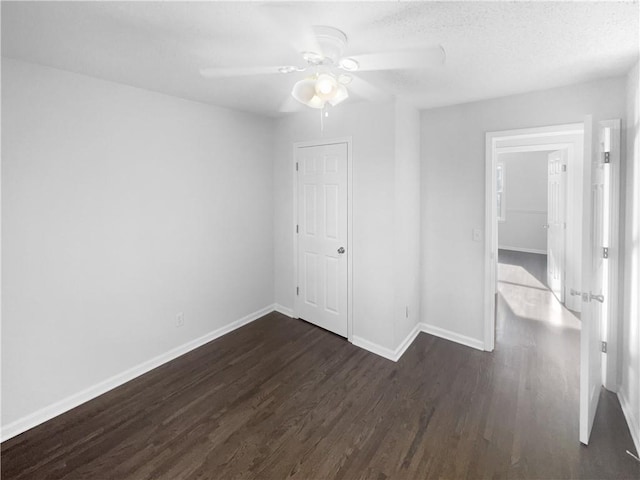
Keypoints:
(556, 222)
(321, 292)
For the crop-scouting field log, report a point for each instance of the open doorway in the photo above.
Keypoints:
(569, 140)
(531, 195)
(531, 204)
(579, 263)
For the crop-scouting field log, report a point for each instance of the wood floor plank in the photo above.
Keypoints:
(280, 398)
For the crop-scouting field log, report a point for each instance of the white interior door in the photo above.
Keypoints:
(322, 236)
(594, 272)
(556, 222)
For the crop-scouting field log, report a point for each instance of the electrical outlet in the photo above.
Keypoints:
(477, 235)
(180, 319)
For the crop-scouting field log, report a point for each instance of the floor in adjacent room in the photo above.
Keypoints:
(281, 398)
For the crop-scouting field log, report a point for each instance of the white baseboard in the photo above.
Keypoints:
(283, 310)
(393, 355)
(454, 337)
(632, 421)
(374, 348)
(522, 249)
(406, 343)
(47, 413)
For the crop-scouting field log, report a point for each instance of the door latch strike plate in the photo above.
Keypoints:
(605, 252)
(604, 347)
(606, 157)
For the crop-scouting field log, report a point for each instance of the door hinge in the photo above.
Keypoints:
(604, 347)
(564, 168)
(297, 228)
(605, 252)
(606, 157)
(297, 290)
(296, 166)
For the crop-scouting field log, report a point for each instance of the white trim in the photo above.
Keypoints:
(316, 143)
(542, 147)
(47, 413)
(393, 355)
(610, 365)
(522, 249)
(492, 149)
(406, 343)
(632, 421)
(453, 336)
(374, 348)
(502, 214)
(283, 310)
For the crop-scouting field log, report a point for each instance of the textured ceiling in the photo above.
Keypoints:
(493, 48)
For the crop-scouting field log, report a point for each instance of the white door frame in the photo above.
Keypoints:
(502, 142)
(319, 143)
(513, 138)
(611, 334)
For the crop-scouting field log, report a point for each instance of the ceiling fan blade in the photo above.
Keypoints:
(290, 105)
(402, 60)
(366, 90)
(215, 72)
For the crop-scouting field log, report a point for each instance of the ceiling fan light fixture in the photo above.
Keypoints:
(304, 91)
(341, 94)
(326, 86)
(315, 102)
(349, 64)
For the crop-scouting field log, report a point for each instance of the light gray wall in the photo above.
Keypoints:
(371, 127)
(525, 200)
(406, 248)
(629, 389)
(453, 169)
(386, 205)
(120, 208)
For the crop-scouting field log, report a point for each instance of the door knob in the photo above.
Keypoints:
(341, 250)
(599, 298)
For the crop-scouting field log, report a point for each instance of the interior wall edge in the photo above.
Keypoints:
(393, 355)
(632, 421)
(283, 310)
(452, 336)
(58, 408)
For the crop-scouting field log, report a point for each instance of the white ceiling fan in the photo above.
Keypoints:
(329, 71)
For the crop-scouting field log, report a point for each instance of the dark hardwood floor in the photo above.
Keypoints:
(280, 398)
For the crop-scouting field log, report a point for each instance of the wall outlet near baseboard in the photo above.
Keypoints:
(180, 319)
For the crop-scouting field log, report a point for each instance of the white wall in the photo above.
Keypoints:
(629, 373)
(120, 208)
(406, 248)
(525, 200)
(453, 168)
(385, 232)
(372, 128)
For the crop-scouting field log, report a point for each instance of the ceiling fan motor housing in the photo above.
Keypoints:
(331, 42)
